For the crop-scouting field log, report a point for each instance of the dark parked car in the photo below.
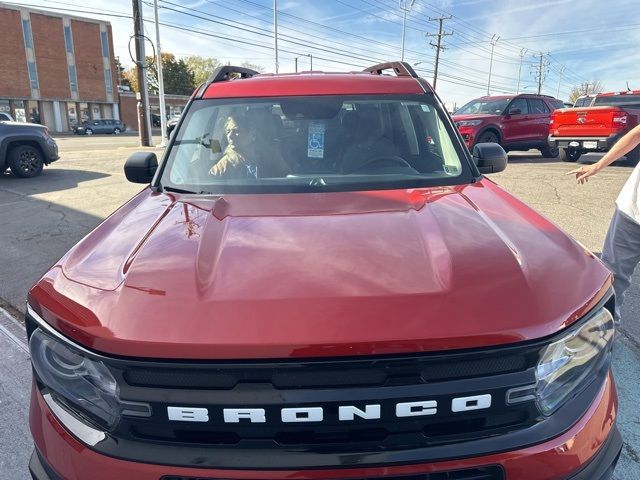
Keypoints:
(171, 124)
(26, 148)
(100, 126)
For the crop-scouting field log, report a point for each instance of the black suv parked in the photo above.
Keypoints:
(100, 126)
(26, 148)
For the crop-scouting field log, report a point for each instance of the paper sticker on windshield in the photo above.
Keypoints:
(315, 142)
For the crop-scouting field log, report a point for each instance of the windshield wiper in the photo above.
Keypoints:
(178, 190)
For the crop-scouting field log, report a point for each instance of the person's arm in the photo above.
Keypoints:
(623, 146)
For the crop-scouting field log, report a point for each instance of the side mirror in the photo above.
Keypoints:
(515, 111)
(489, 157)
(140, 167)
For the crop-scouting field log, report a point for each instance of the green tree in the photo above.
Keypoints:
(178, 79)
(201, 67)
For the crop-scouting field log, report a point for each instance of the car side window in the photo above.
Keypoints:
(518, 106)
(96, 122)
(537, 106)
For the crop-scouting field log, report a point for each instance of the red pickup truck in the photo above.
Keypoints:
(575, 131)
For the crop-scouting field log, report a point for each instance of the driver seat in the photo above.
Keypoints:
(368, 141)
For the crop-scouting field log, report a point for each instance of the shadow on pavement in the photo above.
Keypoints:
(530, 158)
(51, 180)
(33, 236)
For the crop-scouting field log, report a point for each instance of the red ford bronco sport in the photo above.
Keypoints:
(318, 282)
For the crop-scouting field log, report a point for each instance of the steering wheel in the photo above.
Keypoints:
(387, 161)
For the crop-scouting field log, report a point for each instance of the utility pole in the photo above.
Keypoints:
(438, 45)
(163, 116)
(405, 9)
(275, 31)
(305, 55)
(143, 93)
(523, 52)
(493, 41)
(562, 67)
(541, 71)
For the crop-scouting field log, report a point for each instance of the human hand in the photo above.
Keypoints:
(584, 172)
(231, 158)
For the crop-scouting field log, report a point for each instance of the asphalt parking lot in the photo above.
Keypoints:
(42, 218)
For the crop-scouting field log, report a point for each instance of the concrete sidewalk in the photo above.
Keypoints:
(15, 383)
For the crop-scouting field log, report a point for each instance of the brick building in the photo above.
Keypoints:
(174, 104)
(58, 69)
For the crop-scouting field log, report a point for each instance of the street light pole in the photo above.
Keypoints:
(275, 31)
(305, 55)
(494, 40)
(403, 5)
(562, 67)
(163, 116)
(522, 54)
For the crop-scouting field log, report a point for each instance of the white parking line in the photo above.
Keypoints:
(8, 323)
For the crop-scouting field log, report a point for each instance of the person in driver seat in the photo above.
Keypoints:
(245, 156)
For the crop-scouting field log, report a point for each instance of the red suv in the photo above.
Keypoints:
(517, 122)
(317, 282)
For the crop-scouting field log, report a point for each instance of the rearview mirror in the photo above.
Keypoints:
(489, 157)
(515, 111)
(141, 167)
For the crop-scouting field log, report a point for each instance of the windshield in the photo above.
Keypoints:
(627, 100)
(480, 105)
(314, 144)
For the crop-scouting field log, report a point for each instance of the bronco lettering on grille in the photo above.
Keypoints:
(316, 414)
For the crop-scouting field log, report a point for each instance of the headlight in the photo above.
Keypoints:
(566, 365)
(86, 386)
(469, 123)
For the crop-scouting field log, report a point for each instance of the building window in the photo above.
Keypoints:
(105, 44)
(33, 75)
(108, 85)
(68, 39)
(73, 79)
(19, 108)
(26, 31)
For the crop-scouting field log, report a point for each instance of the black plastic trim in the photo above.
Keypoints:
(401, 69)
(40, 469)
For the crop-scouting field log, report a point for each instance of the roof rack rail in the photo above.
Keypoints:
(224, 73)
(401, 69)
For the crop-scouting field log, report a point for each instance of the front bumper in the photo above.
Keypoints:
(589, 450)
(602, 144)
(52, 150)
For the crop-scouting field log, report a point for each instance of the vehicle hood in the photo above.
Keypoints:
(308, 275)
(22, 124)
(474, 116)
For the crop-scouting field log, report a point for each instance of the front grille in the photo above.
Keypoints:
(484, 473)
(381, 372)
(271, 386)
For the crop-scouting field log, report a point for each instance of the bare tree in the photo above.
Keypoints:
(585, 88)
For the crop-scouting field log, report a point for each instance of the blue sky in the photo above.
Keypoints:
(586, 40)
